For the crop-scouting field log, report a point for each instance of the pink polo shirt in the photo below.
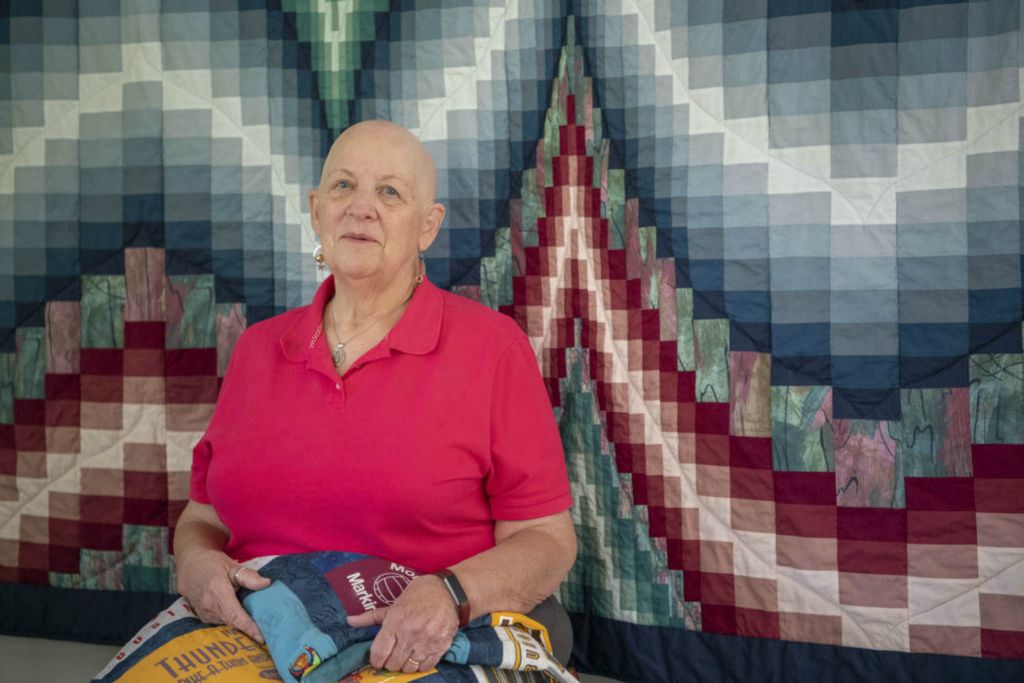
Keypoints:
(436, 432)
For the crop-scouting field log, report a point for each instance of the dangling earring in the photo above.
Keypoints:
(419, 271)
(318, 256)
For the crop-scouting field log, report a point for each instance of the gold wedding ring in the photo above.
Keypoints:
(234, 574)
(414, 662)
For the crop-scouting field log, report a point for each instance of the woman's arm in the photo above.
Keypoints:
(206, 574)
(529, 560)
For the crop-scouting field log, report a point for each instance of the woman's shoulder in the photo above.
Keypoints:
(469, 315)
(272, 329)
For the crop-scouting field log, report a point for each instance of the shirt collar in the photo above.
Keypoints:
(416, 332)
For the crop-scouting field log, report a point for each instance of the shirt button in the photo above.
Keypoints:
(338, 387)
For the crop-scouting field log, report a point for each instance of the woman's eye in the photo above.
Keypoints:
(343, 185)
(389, 191)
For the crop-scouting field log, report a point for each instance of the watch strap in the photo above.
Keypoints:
(451, 582)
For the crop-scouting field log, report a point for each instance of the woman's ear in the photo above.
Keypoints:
(313, 198)
(431, 225)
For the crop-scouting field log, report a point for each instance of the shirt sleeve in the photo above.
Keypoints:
(528, 477)
(202, 452)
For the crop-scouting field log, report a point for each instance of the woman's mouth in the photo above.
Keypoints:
(352, 237)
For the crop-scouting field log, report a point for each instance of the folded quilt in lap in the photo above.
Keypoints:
(303, 617)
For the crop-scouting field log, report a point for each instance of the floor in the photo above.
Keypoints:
(32, 660)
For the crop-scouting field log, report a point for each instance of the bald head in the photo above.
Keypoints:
(391, 139)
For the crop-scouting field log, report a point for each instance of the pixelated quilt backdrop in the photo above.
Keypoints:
(768, 253)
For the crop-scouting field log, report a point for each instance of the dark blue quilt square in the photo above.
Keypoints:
(188, 262)
(101, 261)
(941, 372)
(865, 404)
(63, 288)
(801, 371)
(750, 336)
(708, 304)
(996, 338)
(994, 305)
(866, 372)
(801, 339)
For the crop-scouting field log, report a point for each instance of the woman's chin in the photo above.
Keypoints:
(354, 272)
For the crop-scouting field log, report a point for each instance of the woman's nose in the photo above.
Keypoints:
(362, 206)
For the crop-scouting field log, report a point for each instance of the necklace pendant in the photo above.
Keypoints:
(338, 355)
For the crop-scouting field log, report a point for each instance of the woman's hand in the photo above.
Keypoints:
(416, 630)
(207, 579)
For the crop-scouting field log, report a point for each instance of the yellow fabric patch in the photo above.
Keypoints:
(218, 654)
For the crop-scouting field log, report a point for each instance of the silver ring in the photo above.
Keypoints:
(415, 662)
(234, 574)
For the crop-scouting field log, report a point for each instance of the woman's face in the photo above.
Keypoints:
(374, 208)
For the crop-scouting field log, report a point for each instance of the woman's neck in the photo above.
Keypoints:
(357, 302)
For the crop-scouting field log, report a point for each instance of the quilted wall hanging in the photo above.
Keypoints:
(768, 252)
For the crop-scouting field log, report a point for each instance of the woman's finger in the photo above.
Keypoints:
(382, 649)
(233, 614)
(398, 659)
(413, 664)
(371, 617)
(251, 579)
(431, 661)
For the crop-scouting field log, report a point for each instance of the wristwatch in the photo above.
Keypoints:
(451, 582)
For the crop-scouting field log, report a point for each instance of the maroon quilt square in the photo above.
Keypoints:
(750, 451)
(691, 555)
(29, 411)
(64, 532)
(717, 589)
(674, 522)
(102, 362)
(196, 389)
(101, 509)
(750, 484)
(999, 495)
(64, 559)
(146, 485)
(998, 461)
(718, 619)
(9, 462)
(144, 335)
(813, 521)
(1002, 644)
(145, 511)
(669, 352)
(873, 557)
(103, 388)
(31, 438)
(101, 536)
(63, 387)
(871, 524)
(674, 551)
(805, 488)
(940, 493)
(33, 555)
(38, 577)
(191, 362)
(713, 418)
(63, 413)
(757, 623)
(144, 362)
(945, 527)
(711, 449)
(691, 586)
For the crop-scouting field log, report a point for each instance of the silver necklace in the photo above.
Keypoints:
(338, 352)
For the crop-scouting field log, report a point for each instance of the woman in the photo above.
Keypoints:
(336, 427)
